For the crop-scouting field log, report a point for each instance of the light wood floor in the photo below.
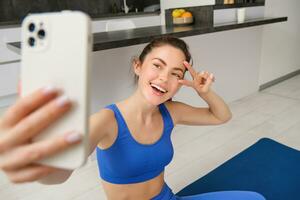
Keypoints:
(273, 113)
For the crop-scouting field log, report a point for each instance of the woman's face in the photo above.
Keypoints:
(159, 73)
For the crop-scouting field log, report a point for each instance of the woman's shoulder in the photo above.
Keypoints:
(172, 107)
(104, 114)
(103, 126)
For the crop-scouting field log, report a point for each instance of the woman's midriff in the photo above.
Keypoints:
(141, 191)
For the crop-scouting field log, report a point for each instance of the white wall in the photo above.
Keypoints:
(280, 42)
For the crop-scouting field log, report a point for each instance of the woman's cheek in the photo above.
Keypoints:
(176, 86)
(152, 74)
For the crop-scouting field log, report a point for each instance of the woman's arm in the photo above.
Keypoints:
(100, 126)
(217, 107)
(217, 112)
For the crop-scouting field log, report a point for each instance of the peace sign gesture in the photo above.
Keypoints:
(201, 80)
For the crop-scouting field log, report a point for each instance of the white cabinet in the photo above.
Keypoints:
(9, 77)
(9, 73)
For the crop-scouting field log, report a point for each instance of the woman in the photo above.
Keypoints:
(132, 137)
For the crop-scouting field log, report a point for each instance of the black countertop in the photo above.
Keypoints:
(115, 39)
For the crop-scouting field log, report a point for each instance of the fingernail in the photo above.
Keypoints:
(62, 101)
(73, 137)
(211, 75)
(49, 89)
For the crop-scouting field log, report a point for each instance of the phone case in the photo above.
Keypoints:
(56, 50)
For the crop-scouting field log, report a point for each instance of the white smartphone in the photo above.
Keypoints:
(56, 50)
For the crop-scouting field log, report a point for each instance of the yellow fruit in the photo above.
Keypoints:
(181, 10)
(177, 12)
(187, 14)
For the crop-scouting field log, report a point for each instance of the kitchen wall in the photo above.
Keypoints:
(233, 56)
(280, 42)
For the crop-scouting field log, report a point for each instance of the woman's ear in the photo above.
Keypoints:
(137, 65)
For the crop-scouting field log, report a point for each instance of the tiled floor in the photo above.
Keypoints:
(273, 113)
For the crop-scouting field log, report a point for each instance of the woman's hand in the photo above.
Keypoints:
(28, 117)
(201, 80)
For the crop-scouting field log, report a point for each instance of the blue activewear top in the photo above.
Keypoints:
(127, 160)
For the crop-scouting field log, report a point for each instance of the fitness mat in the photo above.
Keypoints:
(267, 167)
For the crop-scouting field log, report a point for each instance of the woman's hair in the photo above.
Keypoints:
(166, 40)
(161, 41)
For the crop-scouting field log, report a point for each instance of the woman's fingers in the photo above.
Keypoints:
(201, 80)
(190, 69)
(34, 123)
(28, 104)
(28, 154)
(207, 84)
(204, 76)
(208, 75)
(186, 82)
(30, 173)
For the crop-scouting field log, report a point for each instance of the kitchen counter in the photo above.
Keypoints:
(116, 39)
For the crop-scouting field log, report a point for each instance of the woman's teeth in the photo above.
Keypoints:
(158, 88)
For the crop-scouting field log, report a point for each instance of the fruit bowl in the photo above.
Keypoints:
(182, 20)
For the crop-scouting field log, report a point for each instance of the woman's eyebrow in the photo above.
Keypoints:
(161, 60)
(175, 68)
(179, 69)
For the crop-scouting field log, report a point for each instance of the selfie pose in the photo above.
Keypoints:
(132, 137)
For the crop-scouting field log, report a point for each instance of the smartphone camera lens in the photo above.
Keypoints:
(31, 41)
(41, 34)
(31, 27)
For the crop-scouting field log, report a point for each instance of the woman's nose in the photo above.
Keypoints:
(163, 77)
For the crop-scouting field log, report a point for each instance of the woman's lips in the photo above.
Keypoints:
(158, 87)
(157, 90)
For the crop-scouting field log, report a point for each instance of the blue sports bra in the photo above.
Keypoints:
(128, 161)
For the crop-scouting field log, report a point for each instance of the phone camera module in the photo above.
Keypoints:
(31, 41)
(41, 34)
(31, 27)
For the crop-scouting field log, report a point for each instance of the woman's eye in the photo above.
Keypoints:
(157, 65)
(177, 75)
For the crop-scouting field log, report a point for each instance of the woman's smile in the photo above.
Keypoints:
(158, 90)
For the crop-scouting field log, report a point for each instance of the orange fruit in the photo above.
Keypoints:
(187, 14)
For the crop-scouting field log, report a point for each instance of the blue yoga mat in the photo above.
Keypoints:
(267, 167)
